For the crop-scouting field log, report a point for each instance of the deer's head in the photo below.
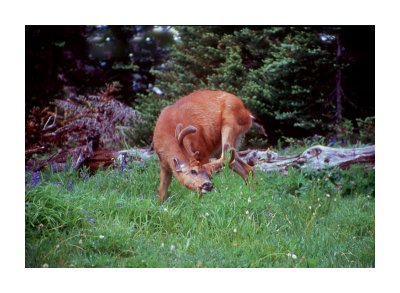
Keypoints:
(189, 171)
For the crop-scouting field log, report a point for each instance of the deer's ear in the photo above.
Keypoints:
(177, 164)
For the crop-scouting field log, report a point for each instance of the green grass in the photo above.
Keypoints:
(113, 219)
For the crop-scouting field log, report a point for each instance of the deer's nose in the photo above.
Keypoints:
(206, 187)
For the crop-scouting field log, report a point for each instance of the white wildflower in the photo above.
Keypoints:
(172, 247)
(234, 230)
(247, 212)
(101, 236)
(249, 200)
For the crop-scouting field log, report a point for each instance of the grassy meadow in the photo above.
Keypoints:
(113, 219)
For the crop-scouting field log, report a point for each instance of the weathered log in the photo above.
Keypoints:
(316, 157)
(139, 154)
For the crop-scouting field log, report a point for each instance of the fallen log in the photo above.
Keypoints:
(316, 157)
(137, 154)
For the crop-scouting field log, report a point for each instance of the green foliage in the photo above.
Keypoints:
(366, 128)
(358, 131)
(283, 89)
(273, 69)
(150, 107)
(285, 75)
(113, 219)
(347, 129)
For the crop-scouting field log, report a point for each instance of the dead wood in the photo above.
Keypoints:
(101, 159)
(316, 157)
(73, 129)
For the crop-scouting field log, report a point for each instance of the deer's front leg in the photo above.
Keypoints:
(165, 180)
(216, 165)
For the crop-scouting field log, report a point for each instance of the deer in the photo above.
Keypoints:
(198, 126)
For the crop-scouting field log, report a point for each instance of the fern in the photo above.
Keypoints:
(83, 116)
(73, 124)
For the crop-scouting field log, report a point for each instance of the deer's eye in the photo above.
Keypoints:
(194, 172)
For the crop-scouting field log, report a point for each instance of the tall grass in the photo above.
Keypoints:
(113, 219)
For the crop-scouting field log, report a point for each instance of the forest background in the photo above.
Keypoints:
(300, 81)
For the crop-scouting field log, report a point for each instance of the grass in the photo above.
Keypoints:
(113, 219)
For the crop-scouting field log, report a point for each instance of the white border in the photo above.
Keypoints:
(16, 14)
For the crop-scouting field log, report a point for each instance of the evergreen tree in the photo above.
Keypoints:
(289, 89)
(279, 72)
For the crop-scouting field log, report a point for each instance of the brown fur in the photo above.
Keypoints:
(219, 118)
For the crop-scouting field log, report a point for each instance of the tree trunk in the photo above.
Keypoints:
(339, 90)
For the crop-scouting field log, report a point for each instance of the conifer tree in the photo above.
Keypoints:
(285, 75)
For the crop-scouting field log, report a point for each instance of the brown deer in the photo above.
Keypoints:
(196, 127)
